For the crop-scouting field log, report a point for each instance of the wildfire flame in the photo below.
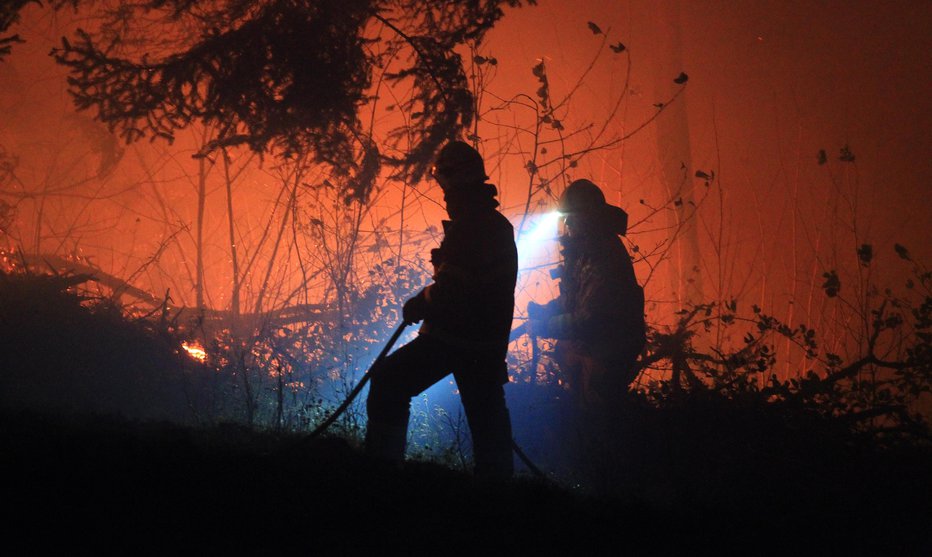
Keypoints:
(195, 350)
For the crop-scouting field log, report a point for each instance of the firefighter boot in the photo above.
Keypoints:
(492, 449)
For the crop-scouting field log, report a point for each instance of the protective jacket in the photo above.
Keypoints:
(471, 301)
(601, 305)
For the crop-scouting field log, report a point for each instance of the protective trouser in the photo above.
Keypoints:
(418, 365)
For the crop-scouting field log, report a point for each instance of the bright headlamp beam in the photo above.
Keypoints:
(542, 231)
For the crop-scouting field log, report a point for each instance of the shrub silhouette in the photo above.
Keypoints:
(66, 353)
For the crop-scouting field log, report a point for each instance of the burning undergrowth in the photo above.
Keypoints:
(70, 349)
(707, 434)
(74, 349)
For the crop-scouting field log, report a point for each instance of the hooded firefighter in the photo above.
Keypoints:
(598, 317)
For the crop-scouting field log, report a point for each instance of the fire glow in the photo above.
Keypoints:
(195, 351)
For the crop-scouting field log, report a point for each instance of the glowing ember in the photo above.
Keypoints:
(195, 350)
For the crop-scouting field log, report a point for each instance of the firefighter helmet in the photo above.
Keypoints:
(581, 196)
(458, 163)
(584, 204)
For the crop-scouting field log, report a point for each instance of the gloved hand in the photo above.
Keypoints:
(414, 309)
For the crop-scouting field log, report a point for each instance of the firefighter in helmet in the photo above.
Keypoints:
(466, 313)
(598, 318)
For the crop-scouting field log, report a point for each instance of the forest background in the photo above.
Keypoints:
(779, 183)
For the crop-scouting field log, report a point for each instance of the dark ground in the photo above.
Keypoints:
(96, 483)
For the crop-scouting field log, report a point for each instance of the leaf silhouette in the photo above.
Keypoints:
(846, 155)
(902, 252)
(616, 48)
(865, 254)
(680, 79)
(594, 28)
(832, 284)
(823, 157)
(538, 70)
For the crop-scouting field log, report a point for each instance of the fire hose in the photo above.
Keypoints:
(520, 330)
(362, 383)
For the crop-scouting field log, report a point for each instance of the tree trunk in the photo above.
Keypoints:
(674, 151)
(201, 202)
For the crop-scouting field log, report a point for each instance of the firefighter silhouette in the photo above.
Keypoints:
(467, 315)
(598, 318)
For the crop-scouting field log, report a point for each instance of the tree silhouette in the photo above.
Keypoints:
(285, 76)
(9, 16)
